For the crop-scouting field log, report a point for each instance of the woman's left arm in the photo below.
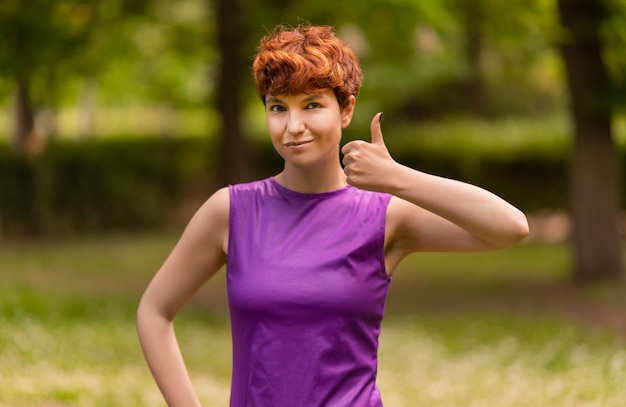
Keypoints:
(438, 213)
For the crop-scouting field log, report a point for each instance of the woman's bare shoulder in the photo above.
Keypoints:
(216, 207)
(210, 223)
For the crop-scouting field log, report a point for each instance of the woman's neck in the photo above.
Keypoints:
(312, 181)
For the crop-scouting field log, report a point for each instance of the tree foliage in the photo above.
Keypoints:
(417, 56)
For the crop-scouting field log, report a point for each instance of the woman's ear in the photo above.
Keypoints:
(347, 111)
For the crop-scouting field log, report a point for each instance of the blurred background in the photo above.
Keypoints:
(126, 114)
(118, 118)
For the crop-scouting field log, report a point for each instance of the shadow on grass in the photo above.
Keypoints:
(601, 307)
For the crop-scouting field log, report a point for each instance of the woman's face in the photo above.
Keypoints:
(306, 127)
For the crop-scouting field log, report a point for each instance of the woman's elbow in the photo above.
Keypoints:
(150, 311)
(143, 314)
(508, 232)
(517, 231)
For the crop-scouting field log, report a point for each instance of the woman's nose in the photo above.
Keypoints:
(296, 124)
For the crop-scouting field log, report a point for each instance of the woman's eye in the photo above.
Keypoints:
(277, 108)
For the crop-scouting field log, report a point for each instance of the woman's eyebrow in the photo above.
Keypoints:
(309, 98)
(273, 99)
(313, 97)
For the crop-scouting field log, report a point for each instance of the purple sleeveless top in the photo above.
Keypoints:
(306, 287)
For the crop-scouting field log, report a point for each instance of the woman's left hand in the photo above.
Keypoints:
(369, 165)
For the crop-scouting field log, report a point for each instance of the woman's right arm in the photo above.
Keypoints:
(198, 255)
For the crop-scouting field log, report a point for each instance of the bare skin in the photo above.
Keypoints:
(426, 213)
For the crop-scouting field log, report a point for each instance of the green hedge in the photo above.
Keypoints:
(530, 182)
(131, 183)
(99, 184)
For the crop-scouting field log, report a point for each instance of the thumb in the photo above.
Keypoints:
(377, 134)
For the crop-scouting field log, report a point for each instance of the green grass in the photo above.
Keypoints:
(500, 329)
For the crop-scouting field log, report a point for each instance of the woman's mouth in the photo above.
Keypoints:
(298, 144)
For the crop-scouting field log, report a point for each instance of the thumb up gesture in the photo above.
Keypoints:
(369, 165)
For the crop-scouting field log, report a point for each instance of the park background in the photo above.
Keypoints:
(118, 118)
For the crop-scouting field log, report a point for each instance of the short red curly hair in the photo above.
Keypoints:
(306, 59)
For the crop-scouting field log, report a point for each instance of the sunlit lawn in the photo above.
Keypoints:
(461, 330)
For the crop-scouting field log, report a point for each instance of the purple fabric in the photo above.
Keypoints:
(306, 287)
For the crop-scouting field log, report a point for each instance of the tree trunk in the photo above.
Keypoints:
(24, 119)
(474, 86)
(594, 172)
(234, 152)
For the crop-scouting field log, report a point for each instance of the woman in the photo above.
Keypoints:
(309, 253)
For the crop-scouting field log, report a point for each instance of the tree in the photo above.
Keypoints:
(235, 153)
(594, 172)
(28, 34)
(46, 44)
